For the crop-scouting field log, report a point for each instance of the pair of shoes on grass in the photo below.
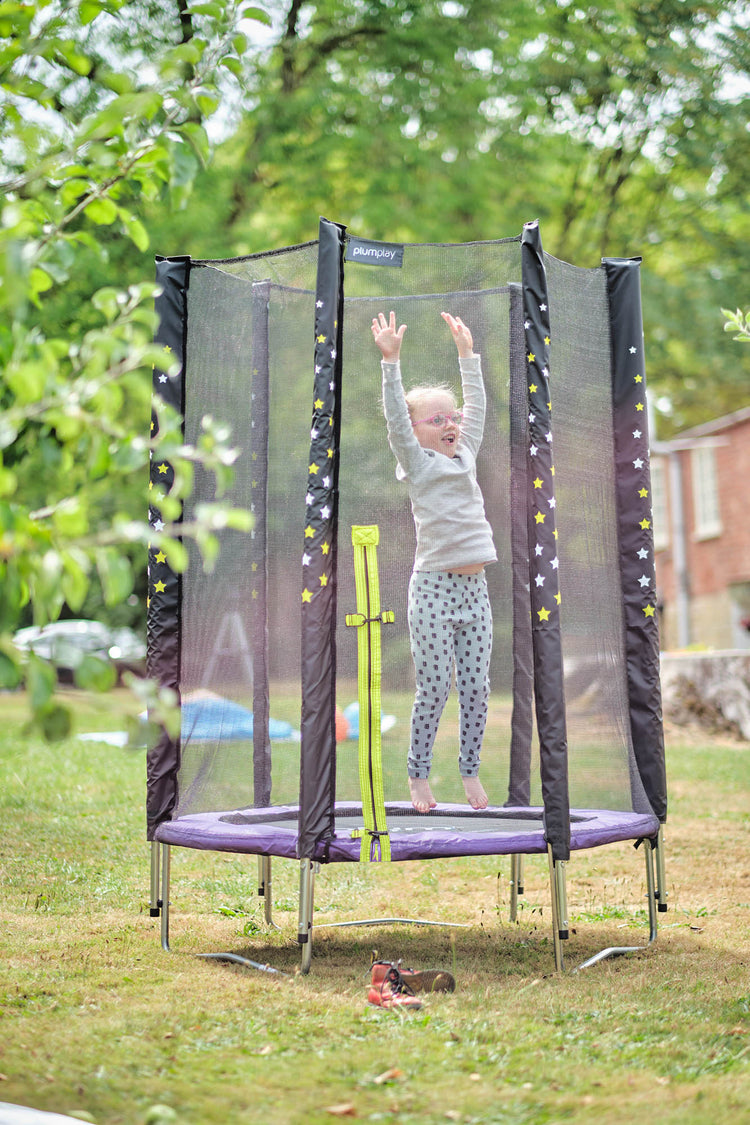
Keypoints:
(392, 986)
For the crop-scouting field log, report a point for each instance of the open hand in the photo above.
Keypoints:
(461, 334)
(386, 337)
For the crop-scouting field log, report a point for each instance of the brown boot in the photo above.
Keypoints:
(424, 980)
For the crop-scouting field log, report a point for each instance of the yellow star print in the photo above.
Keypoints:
(643, 492)
(639, 406)
(161, 557)
(538, 482)
(307, 595)
(324, 579)
(531, 357)
(649, 610)
(320, 339)
(159, 587)
(639, 378)
(309, 532)
(318, 403)
(539, 517)
(313, 469)
(645, 524)
(543, 614)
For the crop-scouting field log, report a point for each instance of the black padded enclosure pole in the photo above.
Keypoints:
(522, 720)
(318, 720)
(259, 544)
(164, 585)
(634, 523)
(543, 562)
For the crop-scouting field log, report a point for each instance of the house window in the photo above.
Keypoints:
(705, 492)
(659, 503)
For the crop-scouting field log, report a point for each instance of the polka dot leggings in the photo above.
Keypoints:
(450, 622)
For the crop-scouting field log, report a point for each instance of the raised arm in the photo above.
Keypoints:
(472, 386)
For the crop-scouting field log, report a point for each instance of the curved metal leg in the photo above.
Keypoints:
(559, 897)
(516, 884)
(306, 899)
(155, 903)
(165, 871)
(264, 887)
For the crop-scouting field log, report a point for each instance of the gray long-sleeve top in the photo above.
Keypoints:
(447, 503)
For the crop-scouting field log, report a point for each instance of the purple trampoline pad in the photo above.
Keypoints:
(447, 831)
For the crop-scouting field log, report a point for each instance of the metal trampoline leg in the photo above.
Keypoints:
(155, 903)
(165, 870)
(650, 891)
(559, 898)
(264, 886)
(661, 876)
(516, 884)
(306, 899)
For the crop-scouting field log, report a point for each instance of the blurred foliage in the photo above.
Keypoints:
(621, 126)
(102, 111)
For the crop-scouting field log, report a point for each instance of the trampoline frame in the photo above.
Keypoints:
(656, 898)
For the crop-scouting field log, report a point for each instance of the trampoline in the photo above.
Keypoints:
(286, 630)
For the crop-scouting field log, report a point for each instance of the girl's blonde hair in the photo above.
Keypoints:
(415, 395)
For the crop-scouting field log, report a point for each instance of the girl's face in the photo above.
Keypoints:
(442, 438)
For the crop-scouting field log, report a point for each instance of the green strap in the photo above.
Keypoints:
(368, 621)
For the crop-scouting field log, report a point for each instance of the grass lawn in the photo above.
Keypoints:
(97, 1021)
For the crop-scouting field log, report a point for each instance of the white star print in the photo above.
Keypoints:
(539, 580)
(552, 502)
(548, 436)
(539, 549)
(326, 482)
(633, 350)
(325, 512)
(533, 450)
(318, 304)
(636, 433)
(532, 417)
(158, 525)
(306, 560)
(638, 464)
(542, 307)
(644, 580)
(309, 499)
(555, 563)
(643, 553)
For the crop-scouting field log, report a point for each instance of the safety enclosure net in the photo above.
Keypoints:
(279, 347)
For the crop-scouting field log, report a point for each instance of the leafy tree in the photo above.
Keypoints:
(103, 109)
(620, 125)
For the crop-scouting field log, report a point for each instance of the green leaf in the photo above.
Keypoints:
(40, 682)
(95, 674)
(102, 211)
(115, 575)
(55, 721)
(256, 14)
(10, 672)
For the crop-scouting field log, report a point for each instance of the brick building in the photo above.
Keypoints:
(701, 484)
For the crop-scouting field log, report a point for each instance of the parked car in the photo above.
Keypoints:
(65, 643)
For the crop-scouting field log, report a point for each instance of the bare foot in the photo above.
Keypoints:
(475, 793)
(421, 794)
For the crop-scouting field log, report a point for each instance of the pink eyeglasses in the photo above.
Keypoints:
(456, 416)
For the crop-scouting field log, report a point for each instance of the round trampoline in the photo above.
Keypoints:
(267, 650)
